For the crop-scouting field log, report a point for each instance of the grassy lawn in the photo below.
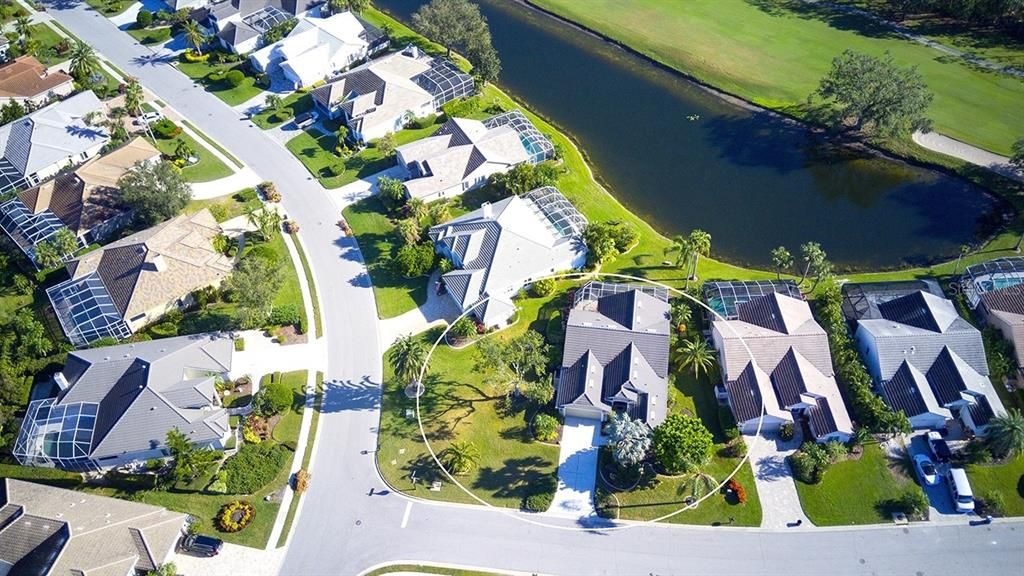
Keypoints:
(314, 422)
(849, 492)
(308, 272)
(109, 7)
(459, 406)
(48, 38)
(287, 428)
(11, 12)
(297, 102)
(315, 150)
(394, 293)
(1006, 479)
(775, 53)
(150, 36)
(227, 207)
(289, 293)
(213, 143)
(231, 95)
(49, 476)
(209, 166)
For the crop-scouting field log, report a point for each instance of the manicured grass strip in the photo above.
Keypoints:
(850, 491)
(225, 208)
(297, 102)
(774, 55)
(49, 476)
(317, 321)
(290, 293)
(1007, 480)
(212, 143)
(306, 457)
(424, 569)
(207, 169)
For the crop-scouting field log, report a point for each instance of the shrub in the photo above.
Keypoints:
(219, 485)
(286, 315)
(253, 467)
(538, 501)
(423, 121)
(977, 452)
(215, 76)
(463, 328)
(235, 516)
(545, 428)
(738, 490)
(302, 478)
(994, 503)
(461, 107)
(736, 448)
(191, 55)
(913, 502)
(144, 19)
(787, 431)
(249, 434)
(164, 330)
(166, 129)
(543, 287)
(234, 78)
(682, 444)
(154, 464)
(291, 227)
(282, 115)
(273, 398)
(220, 213)
(239, 344)
(414, 260)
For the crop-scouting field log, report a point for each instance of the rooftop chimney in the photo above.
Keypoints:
(488, 210)
(61, 381)
(158, 263)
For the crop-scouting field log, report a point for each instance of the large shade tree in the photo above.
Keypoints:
(155, 191)
(516, 366)
(458, 24)
(188, 461)
(84, 62)
(682, 444)
(253, 286)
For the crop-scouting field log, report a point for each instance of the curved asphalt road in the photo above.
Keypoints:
(342, 530)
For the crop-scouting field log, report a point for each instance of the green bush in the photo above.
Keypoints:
(253, 467)
(234, 78)
(994, 503)
(545, 428)
(144, 19)
(423, 122)
(538, 502)
(286, 315)
(555, 331)
(219, 485)
(461, 107)
(239, 344)
(543, 287)
(414, 260)
(164, 330)
(273, 398)
(282, 115)
(166, 129)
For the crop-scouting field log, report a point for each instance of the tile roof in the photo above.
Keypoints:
(64, 532)
(904, 391)
(1009, 300)
(26, 77)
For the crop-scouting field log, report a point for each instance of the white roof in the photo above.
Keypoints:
(52, 134)
(316, 46)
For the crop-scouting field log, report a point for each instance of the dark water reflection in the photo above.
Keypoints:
(750, 179)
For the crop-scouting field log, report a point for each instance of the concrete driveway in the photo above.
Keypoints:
(577, 468)
(939, 497)
(774, 479)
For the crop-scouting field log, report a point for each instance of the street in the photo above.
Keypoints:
(342, 530)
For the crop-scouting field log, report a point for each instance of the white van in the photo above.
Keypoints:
(961, 489)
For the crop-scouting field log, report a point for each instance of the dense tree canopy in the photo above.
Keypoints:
(523, 178)
(155, 191)
(682, 444)
(458, 24)
(516, 366)
(253, 285)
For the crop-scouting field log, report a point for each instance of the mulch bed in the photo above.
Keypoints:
(290, 335)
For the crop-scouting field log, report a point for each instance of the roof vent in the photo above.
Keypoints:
(61, 381)
(158, 263)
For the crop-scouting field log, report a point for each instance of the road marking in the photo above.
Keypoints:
(405, 517)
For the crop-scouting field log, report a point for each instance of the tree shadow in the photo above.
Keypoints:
(835, 17)
(516, 477)
(350, 396)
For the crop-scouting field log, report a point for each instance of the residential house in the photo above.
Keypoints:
(994, 289)
(117, 289)
(86, 201)
(725, 297)
(48, 531)
(776, 367)
(615, 358)
(115, 405)
(463, 153)
(318, 48)
(40, 144)
(990, 276)
(27, 81)
(501, 247)
(240, 24)
(384, 94)
(928, 362)
(861, 300)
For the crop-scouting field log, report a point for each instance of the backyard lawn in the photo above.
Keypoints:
(297, 102)
(315, 149)
(459, 406)
(851, 491)
(1005, 479)
(231, 95)
(774, 54)
(287, 428)
(150, 36)
(208, 168)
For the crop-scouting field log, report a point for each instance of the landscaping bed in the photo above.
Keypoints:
(208, 168)
(297, 103)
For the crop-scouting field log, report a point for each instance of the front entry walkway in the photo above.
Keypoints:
(577, 468)
(776, 486)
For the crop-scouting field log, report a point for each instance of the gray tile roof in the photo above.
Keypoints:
(621, 358)
(51, 135)
(903, 391)
(63, 532)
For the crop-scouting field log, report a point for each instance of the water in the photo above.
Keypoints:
(754, 182)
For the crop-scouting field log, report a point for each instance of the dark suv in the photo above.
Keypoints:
(202, 545)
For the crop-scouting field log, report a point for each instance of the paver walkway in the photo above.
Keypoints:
(244, 178)
(577, 468)
(776, 488)
(967, 153)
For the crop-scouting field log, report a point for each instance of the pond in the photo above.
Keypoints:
(683, 158)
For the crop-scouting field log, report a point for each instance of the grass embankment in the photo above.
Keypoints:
(1007, 480)
(308, 272)
(307, 455)
(853, 491)
(774, 54)
(659, 495)
(459, 406)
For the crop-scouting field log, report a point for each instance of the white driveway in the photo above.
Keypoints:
(577, 468)
(780, 503)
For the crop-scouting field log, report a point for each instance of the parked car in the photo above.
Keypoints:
(961, 489)
(148, 118)
(939, 448)
(202, 545)
(926, 470)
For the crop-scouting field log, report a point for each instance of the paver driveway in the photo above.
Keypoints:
(577, 468)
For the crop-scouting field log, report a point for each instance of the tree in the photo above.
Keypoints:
(815, 261)
(513, 365)
(681, 311)
(463, 328)
(543, 287)
(133, 96)
(449, 22)
(155, 191)
(342, 135)
(606, 240)
(630, 440)
(392, 193)
(183, 152)
(484, 58)
(266, 221)
(408, 230)
(253, 285)
(273, 102)
(1006, 434)
(194, 35)
(417, 209)
(697, 355)
(875, 95)
(438, 212)
(51, 252)
(23, 28)
(356, 6)
(144, 19)
(386, 144)
(31, 334)
(273, 399)
(1017, 156)
(964, 251)
(782, 260)
(84, 62)
(415, 260)
(188, 461)
(523, 178)
(700, 245)
(682, 444)
(407, 358)
(11, 111)
(461, 457)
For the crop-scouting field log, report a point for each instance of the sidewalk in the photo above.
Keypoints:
(957, 149)
(244, 178)
(776, 487)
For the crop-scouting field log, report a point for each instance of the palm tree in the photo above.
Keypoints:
(133, 96)
(461, 457)
(1006, 434)
(964, 251)
(409, 230)
(194, 35)
(782, 259)
(23, 27)
(267, 222)
(416, 208)
(700, 245)
(696, 354)
(681, 246)
(84, 62)
(407, 357)
(681, 313)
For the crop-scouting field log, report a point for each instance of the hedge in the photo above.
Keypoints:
(253, 467)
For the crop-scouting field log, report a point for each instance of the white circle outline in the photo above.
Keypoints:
(518, 515)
